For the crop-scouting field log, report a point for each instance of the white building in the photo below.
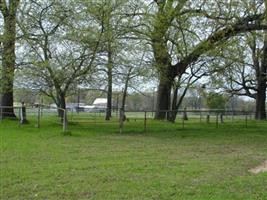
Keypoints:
(100, 103)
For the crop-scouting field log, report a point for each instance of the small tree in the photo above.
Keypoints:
(215, 100)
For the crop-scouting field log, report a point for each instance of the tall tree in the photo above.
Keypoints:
(60, 52)
(192, 20)
(114, 23)
(244, 73)
(108, 16)
(9, 12)
(134, 68)
(183, 83)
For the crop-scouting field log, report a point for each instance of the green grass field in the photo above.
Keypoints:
(167, 162)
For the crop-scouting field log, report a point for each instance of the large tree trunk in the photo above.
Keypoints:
(262, 85)
(166, 79)
(162, 64)
(163, 98)
(109, 93)
(174, 108)
(260, 105)
(176, 104)
(8, 61)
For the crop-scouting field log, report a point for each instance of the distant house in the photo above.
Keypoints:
(100, 103)
(74, 105)
(69, 106)
(53, 105)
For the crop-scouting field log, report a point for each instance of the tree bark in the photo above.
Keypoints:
(260, 102)
(109, 93)
(124, 95)
(8, 59)
(262, 85)
(163, 98)
(176, 104)
(174, 108)
(166, 78)
(61, 104)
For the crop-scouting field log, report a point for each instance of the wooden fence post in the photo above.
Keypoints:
(38, 116)
(65, 120)
(221, 118)
(208, 118)
(121, 119)
(23, 119)
(145, 122)
(217, 120)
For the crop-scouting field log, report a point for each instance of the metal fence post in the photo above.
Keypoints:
(1, 114)
(166, 115)
(246, 120)
(38, 116)
(145, 121)
(117, 112)
(183, 119)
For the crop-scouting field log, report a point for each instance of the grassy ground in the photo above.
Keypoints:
(166, 162)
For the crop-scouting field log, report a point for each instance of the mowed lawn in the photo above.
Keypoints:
(167, 162)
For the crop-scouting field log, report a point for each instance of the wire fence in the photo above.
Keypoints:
(184, 117)
(130, 119)
(35, 115)
(122, 120)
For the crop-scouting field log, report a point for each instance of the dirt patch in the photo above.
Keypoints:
(259, 169)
